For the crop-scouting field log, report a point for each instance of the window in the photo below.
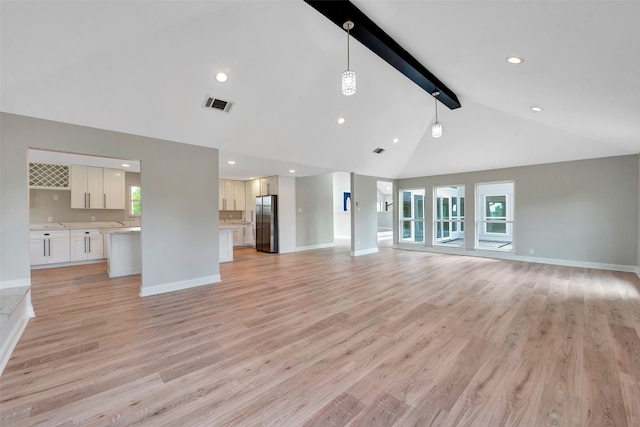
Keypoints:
(412, 216)
(448, 218)
(134, 204)
(495, 222)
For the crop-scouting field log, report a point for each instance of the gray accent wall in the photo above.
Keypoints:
(364, 214)
(583, 211)
(314, 211)
(180, 220)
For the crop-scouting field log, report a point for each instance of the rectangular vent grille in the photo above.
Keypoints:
(42, 175)
(379, 150)
(216, 104)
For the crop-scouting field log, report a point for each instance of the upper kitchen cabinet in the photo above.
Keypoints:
(96, 188)
(113, 185)
(269, 186)
(231, 195)
(86, 187)
(239, 197)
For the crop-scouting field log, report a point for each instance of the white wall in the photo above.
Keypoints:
(180, 181)
(341, 219)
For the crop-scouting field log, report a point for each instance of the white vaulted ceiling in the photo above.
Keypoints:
(145, 67)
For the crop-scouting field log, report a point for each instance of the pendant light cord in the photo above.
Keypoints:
(347, 49)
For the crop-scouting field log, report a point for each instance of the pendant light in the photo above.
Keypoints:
(436, 127)
(348, 76)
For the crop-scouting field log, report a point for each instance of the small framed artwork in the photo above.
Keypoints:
(346, 202)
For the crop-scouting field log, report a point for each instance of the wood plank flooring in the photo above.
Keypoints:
(319, 338)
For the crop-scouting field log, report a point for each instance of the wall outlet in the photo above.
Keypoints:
(50, 219)
(532, 252)
(55, 197)
(93, 218)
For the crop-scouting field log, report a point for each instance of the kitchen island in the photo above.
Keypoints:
(226, 243)
(123, 251)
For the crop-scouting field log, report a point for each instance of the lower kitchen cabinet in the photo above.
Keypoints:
(238, 236)
(49, 247)
(226, 244)
(249, 236)
(86, 245)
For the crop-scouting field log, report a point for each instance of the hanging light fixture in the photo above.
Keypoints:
(348, 76)
(436, 127)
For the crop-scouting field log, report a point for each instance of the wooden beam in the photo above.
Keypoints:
(375, 39)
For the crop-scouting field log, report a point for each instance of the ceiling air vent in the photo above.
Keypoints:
(379, 150)
(216, 104)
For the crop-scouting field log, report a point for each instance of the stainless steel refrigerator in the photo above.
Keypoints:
(267, 223)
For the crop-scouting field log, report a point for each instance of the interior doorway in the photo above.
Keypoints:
(68, 222)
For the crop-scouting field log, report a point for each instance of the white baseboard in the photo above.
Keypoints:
(18, 283)
(364, 252)
(67, 264)
(513, 257)
(16, 325)
(312, 247)
(638, 269)
(178, 286)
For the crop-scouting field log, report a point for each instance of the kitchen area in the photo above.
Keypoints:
(85, 209)
(240, 217)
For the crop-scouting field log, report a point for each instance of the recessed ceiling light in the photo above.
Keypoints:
(231, 162)
(341, 120)
(125, 165)
(292, 171)
(395, 140)
(221, 77)
(536, 109)
(515, 60)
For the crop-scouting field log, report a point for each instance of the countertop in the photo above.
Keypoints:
(224, 224)
(124, 230)
(81, 225)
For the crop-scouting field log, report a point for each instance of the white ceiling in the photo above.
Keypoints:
(145, 67)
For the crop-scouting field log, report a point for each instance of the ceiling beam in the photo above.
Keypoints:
(375, 39)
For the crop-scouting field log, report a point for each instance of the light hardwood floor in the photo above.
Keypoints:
(319, 338)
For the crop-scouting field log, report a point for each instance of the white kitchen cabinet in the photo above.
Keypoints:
(238, 236)
(249, 236)
(268, 186)
(226, 244)
(97, 188)
(49, 247)
(113, 187)
(221, 195)
(231, 195)
(252, 190)
(86, 245)
(239, 196)
(86, 187)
